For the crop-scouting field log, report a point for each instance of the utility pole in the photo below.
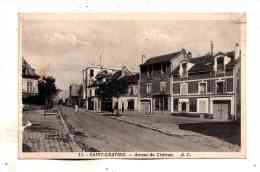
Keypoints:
(210, 73)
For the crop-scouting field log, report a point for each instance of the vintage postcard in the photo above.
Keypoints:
(132, 85)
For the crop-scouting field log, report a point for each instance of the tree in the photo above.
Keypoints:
(109, 86)
(47, 90)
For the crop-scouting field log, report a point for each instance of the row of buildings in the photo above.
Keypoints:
(177, 83)
(29, 80)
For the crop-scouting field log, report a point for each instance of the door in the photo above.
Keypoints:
(221, 110)
(183, 106)
(203, 106)
(146, 106)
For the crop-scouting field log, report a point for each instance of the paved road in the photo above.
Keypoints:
(106, 134)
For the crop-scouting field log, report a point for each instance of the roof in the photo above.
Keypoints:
(133, 78)
(204, 64)
(162, 58)
(28, 71)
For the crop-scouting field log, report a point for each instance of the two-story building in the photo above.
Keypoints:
(29, 80)
(129, 102)
(207, 85)
(92, 102)
(155, 82)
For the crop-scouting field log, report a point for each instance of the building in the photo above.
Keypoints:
(208, 85)
(91, 101)
(29, 80)
(129, 101)
(155, 82)
(75, 92)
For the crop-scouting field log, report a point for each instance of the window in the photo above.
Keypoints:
(163, 68)
(220, 87)
(220, 64)
(149, 72)
(184, 89)
(91, 73)
(29, 86)
(184, 70)
(163, 86)
(149, 88)
(135, 90)
(202, 87)
(131, 90)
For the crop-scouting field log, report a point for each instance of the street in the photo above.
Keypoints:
(107, 134)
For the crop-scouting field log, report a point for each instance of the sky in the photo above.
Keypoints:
(62, 45)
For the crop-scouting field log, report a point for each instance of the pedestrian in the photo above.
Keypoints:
(123, 108)
(76, 108)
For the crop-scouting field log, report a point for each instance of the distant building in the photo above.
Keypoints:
(29, 80)
(75, 91)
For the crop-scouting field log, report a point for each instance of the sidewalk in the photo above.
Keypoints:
(169, 125)
(46, 134)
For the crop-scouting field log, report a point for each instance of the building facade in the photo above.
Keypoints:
(91, 101)
(29, 80)
(75, 92)
(155, 82)
(208, 85)
(129, 102)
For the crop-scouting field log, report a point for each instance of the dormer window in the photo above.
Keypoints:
(184, 70)
(220, 64)
(91, 73)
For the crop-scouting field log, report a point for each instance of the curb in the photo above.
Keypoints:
(75, 147)
(143, 126)
(146, 127)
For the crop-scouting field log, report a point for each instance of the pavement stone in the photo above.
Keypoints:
(48, 136)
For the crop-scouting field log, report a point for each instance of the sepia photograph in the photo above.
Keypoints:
(137, 85)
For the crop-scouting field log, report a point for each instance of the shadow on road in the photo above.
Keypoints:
(228, 131)
(111, 114)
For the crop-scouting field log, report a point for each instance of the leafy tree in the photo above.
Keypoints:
(109, 86)
(47, 90)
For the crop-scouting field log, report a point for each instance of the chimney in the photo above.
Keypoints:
(211, 48)
(143, 58)
(237, 51)
(123, 71)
